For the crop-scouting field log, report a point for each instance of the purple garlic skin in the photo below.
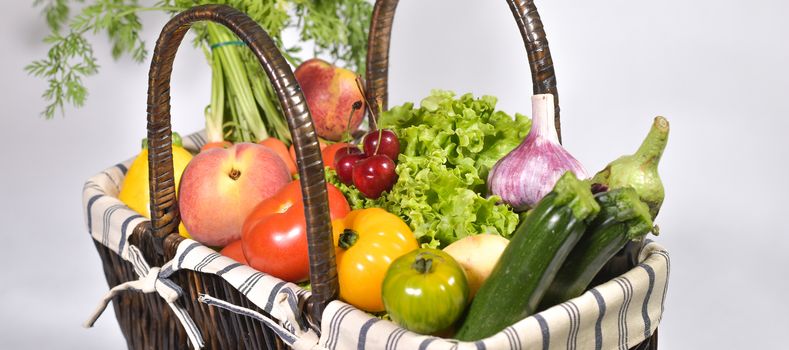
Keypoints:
(528, 173)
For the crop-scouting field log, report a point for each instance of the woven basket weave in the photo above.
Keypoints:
(145, 320)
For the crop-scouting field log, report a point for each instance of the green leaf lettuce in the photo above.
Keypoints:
(448, 146)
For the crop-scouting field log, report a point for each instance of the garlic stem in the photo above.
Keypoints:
(543, 123)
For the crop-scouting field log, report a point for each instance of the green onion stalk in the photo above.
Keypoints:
(243, 105)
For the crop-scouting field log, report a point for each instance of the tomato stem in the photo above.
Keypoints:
(348, 238)
(423, 265)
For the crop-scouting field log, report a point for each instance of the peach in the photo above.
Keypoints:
(221, 186)
(330, 92)
(216, 144)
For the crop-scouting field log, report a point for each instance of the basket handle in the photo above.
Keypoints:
(164, 209)
(529, 23)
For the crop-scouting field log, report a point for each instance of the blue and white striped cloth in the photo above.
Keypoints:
(616, 315)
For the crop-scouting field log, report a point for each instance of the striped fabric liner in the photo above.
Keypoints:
(616, 315)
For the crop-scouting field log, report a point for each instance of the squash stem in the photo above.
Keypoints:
(348, 238)
(654, 144)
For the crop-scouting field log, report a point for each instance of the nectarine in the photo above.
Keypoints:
(220, 187)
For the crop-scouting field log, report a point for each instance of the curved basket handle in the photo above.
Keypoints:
(529, 23)
(164, 209)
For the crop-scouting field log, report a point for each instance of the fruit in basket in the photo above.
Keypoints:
(274, 236)
(330, 153)
(639, 170)
(374, 175)
(477, 255)
(382, 141)
(134, 191)
(530, 262)
(282, 151)
(345, 163)
(366, 242)
(330, 92)
(425, 291)
(235, 252)
(528, 172)
(217, 144)
(220, 187)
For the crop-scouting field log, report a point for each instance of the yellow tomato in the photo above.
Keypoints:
(134, 189)
(366, 242)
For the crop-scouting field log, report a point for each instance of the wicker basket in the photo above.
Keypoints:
(152, 321)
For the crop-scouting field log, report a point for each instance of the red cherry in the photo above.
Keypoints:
(374, 175)
(344, 166)
(390, 144)
(344, 151)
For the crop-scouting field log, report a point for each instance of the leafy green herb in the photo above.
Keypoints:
(69, 60)
(336, 28)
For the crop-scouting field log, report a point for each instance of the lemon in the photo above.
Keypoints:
(134, 189)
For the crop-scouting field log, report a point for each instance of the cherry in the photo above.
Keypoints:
(374, 175)
(344, 151)
(344, 165)
(390, 144)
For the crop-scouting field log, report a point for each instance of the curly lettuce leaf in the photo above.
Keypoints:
(448, 146)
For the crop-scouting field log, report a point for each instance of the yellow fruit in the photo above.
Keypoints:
(182, 231)
(134, 189)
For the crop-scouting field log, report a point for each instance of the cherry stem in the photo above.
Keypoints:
(379, 101)
(380, 136)
(366, 101)
(347, 134)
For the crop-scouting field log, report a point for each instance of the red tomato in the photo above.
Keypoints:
(235, 252)
(274, 236)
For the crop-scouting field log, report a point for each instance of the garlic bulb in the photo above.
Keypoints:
(530, 171)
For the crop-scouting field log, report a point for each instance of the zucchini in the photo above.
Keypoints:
(531, 260)
(623, 217)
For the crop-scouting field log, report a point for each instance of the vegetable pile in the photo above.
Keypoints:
(420, 240)
(452, 218)
(448, 146)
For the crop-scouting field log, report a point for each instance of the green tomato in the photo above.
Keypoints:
(425, 291)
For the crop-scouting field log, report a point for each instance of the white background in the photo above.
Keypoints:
(716, 69)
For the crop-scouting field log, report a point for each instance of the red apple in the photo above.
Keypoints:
(221, 186)
(330, 92)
